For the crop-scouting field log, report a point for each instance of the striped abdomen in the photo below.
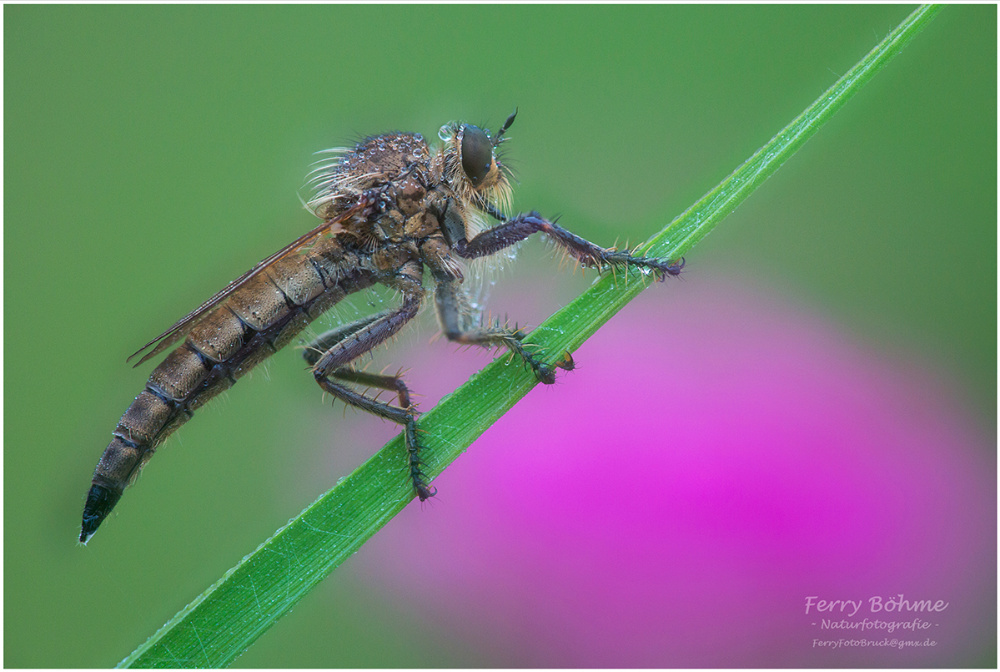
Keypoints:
(259, 318)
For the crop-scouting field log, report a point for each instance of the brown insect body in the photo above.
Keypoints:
(390, 208)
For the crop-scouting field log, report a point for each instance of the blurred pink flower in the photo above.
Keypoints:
(718, 457)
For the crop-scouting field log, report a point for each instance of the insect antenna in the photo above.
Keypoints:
(503, 129)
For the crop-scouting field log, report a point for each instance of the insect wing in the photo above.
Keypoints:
(185, 324)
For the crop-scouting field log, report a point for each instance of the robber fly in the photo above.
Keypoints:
(389, 208)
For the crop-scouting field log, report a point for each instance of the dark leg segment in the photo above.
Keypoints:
(355, 340)
(367, 337)
(453, 312)
(382, 382)
(517, 229)
(403, 415)
(327, 340)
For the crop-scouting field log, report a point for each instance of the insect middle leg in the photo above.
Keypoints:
(454, 315)
(331, 370)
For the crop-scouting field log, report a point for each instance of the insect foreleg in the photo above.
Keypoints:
(518, 228)
(453, 313)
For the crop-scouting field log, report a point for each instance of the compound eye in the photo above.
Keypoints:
(477, 154)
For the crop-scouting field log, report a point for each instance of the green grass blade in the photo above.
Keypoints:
(228, 617)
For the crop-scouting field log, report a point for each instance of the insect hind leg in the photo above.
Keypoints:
(318, 346)
(347, 343)
(404, 414)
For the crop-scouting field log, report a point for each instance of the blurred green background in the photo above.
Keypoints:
(154, 153)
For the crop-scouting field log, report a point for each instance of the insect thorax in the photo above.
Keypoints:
(412, 180)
